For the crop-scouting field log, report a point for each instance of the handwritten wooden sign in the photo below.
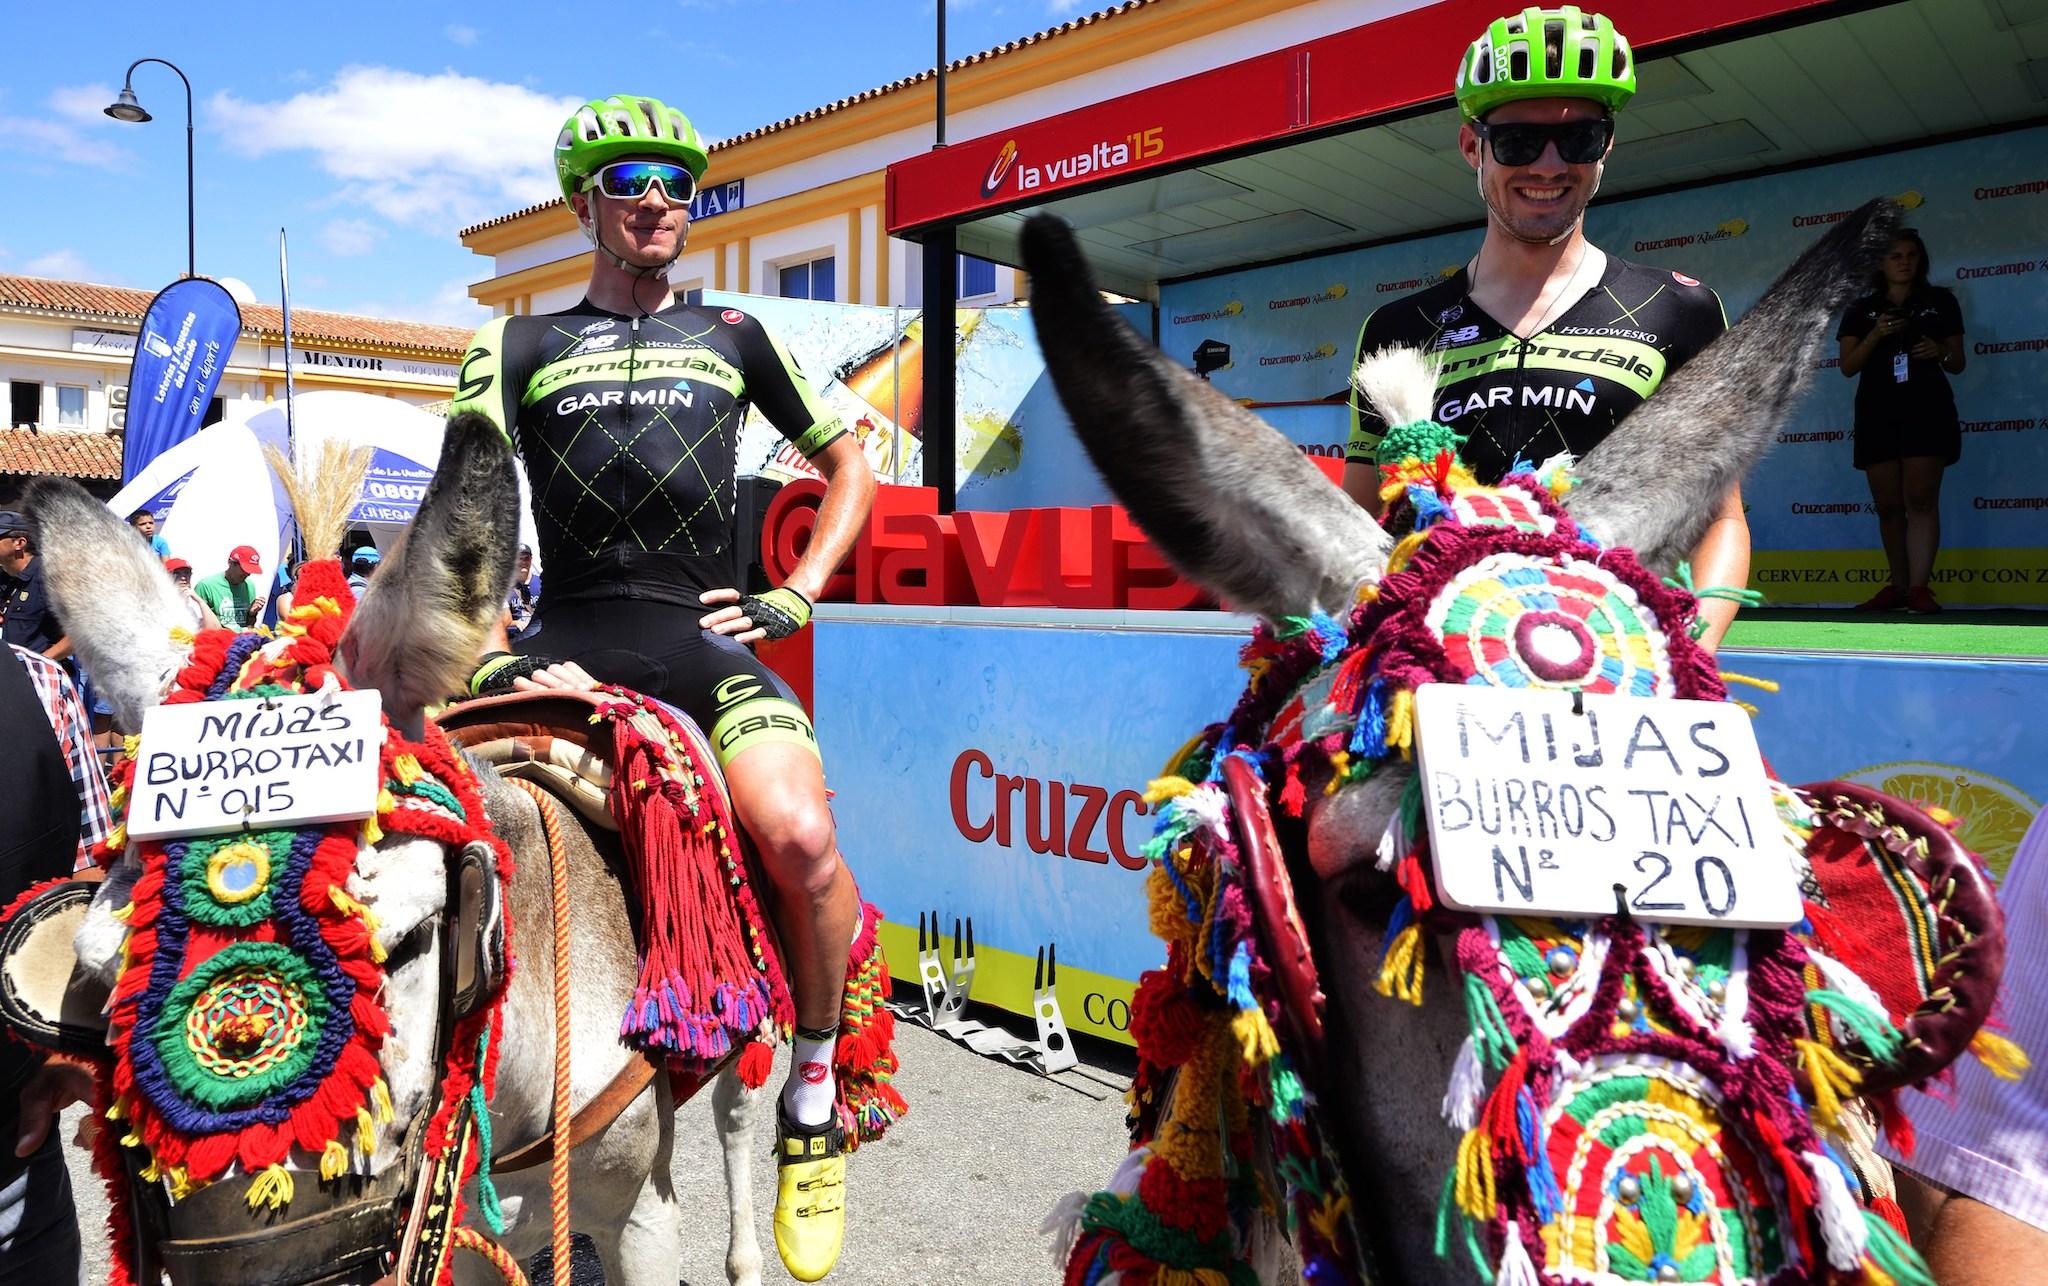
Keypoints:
(1537, 809)
(256, 764)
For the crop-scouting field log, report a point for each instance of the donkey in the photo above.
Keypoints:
(1240, 510)
(413, 639)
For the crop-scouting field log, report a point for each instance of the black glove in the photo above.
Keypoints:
(495, 673)
(779, 612)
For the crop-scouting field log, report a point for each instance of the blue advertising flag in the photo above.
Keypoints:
(183, 346)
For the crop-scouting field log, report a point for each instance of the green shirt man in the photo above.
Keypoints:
(230, 594)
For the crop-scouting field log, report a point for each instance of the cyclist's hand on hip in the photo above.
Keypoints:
(749, 618)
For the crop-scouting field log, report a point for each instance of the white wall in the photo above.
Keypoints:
(828, 235)
(545, 250)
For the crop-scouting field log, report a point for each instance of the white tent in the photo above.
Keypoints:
(214, 491)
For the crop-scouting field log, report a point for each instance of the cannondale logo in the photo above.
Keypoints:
(735, 689)
(999, 169)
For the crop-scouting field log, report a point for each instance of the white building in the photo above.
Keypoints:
(65, 348)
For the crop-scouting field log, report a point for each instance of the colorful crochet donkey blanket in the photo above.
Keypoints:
(1635, 1102)
(247, 1019)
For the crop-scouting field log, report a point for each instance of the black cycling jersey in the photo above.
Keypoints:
(629, 428)
(1563, 389)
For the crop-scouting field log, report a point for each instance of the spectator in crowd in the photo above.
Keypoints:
(1900, 343)
(1981, 1148)
(229, 593)
(202, 615)
(56, 812)
(144, 523)
(29, 620)
(361, 566)
(525, 595)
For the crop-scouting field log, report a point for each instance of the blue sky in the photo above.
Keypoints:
(373, 131)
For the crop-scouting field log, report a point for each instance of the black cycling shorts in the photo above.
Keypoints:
(659, 649)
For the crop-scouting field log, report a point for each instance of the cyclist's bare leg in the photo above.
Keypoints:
(778, 790)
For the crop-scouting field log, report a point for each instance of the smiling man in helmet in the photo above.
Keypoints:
(626, 409)
(1543, 342)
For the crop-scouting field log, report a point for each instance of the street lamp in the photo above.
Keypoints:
(125, 108)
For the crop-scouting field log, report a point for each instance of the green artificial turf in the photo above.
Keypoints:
(1954, 633)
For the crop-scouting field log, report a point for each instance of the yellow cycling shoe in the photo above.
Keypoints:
(810, 1196)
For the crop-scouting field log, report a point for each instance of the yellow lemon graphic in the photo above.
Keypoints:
(1909, 200)
(1233, 308)
(1449, 270)
(991, 445)
(1339, 290)
(1326, 350)
(1734, 227)
(1995, 812)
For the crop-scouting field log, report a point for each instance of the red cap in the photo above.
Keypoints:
(176, 565)
(248, 558)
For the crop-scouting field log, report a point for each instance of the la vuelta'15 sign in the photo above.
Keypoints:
(910, 554)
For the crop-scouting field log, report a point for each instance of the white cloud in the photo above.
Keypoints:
(436, 152)
(79, 132)
(86, 104)
(1064, 9)
(67, 264)
(461, 35)
(350, 236)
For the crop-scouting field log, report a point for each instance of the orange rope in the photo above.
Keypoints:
(558, 1164)
(467, 1238)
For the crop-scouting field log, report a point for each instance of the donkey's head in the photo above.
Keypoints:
(278, 1010)
(1238, 508)
(1553, 579)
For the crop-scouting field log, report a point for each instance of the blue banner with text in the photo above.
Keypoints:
(186, 338)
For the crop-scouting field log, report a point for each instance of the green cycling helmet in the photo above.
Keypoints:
(1546, 53)
(605, 129)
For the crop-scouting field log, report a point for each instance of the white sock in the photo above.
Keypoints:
(808, 1093)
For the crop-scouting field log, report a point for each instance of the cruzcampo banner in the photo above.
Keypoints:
(180, 352)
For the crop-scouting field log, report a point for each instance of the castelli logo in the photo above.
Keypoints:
(732, 316)
(999, 169)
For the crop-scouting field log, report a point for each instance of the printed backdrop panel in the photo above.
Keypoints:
(1014, 445)
(996, 772)
(1292, 330)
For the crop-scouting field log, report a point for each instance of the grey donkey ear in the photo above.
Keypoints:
(1656, 481)
(1230, 500)
(116, 601)
(416, 635)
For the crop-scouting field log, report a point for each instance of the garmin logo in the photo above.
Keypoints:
(678, 396)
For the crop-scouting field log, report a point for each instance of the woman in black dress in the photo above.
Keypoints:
(1904, 340)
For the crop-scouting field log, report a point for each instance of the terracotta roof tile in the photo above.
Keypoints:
(264, 321)
(52, 451)
(880, 91)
